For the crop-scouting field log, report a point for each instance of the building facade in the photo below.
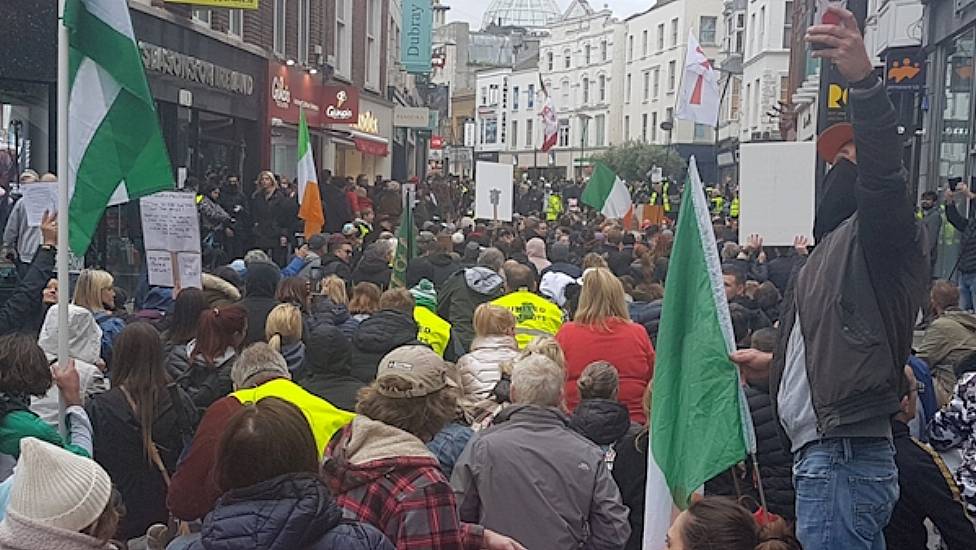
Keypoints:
(654, 51)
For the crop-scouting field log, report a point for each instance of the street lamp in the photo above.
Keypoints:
(667, 126)
(584, 125)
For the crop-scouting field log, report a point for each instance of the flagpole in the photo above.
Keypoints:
(64, 282)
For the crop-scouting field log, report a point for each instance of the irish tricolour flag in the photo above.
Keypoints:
(309, 198)
(116, 151)
(700, 423)
(607, 193)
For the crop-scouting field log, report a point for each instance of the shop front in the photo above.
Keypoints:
(293, 91)
(949, 148)
(364, 148)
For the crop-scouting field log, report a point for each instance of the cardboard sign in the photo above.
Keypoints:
(493, 191)
(171, 232)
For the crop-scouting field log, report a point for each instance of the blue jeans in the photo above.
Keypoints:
(967, 291)
(846, 489)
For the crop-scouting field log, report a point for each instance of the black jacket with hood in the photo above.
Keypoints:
(386, 330)
(859, 291)
(461, 293)
(602, 421)
(327, 371)
(373, 268)
(259, 298)
(436, 268)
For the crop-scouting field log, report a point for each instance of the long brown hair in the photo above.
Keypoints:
(216, 331)
(365, 299)
(138, 370)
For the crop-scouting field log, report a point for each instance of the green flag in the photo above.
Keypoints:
(116, 150)
(699, 426)
(406, 247)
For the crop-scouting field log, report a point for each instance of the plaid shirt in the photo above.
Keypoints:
(406, 497)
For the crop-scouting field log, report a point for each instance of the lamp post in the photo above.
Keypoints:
(584, 125)
(667, 126)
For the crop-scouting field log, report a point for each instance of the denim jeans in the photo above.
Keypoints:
(967, 291)
(846, 489)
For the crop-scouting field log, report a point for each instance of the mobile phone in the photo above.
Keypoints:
(824, 17)
(954, 183)
(315, 280)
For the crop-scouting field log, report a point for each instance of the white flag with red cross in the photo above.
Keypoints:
(700, 95)
(548, 114)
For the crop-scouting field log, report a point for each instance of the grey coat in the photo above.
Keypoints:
(530, 464)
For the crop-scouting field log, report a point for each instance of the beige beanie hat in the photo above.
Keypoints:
(56, 488)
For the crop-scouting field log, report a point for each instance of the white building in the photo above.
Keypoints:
(576, 61)
(507, 116)
(651, 66)
(765, 68)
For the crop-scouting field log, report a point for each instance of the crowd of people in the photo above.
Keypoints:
(501, 398)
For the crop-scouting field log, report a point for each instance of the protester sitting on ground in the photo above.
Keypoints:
(183, 322)
(389, 328)
(365, 301)
(202, 367)
(493, 345)
(139, 429)
(466, 289)
(28, 373)
(284, 333)
(925, 492)
(95, 292)
(261, 285)
(58, 500)
(267, 453)
(602, 331)
(599, 416)
(720, 522)
(259, 372)
(381, 472)
(533, 445)
(536, 315)
(327, 371)
(949, 338)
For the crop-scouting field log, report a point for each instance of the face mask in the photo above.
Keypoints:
(838, 201)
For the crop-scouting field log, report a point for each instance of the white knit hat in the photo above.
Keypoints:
(56, 488)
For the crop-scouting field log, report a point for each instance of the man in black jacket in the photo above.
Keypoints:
(926, 489)
(387, 329)
(967, 248)
(847, 322)
(26, 298)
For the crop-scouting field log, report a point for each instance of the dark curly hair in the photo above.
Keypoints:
(24, 369)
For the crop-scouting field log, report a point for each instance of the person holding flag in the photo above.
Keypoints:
(847, 323)
(309, 198)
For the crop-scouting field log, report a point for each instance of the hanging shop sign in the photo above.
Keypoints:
(905, 69)
(410, 117)
(341, 105)
(232, 4)
(415, 46)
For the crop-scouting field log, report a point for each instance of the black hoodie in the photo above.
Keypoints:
(436, 268)
(386, 330)
(327, 372)
(373, 268)
(602, 421)
(259, 298)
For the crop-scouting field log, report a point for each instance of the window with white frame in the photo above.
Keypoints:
(586, 90)
(674, 31)
(738, 42)
(529, 137)
(788, 26)
(549, 60)
(627, 88)
(374, 30)
(567, 59)
(644, 127)
(303, 30)
(671, 67)
(669, 113)
(484, 95)
(564, 94)
(784, 89)
(586, 54)
(707, 32)
(530, 100)
(752, 34)
(762, 28)
(235, 23)
(490, 134)
(701, 131)
(563, 132)
(656, 85)
(644, 43)
(735, 97)
(601, 130)
(647, 85)
(630, 48)
(654, 127)
(626, 128)
(201, 15)
(343, 38)
(278, 27)
(660, 36)
(603, 50)
(515, 98)
(748, 104)
(514, 134)
(602, 87)
(756, 100)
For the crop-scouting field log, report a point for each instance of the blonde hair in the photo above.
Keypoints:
(88, 289)
(492, 320)
(335, 289)
(261, 174)
(548, 346)
(365, 299)
(601, 299)
(284, 326)
(594, 260)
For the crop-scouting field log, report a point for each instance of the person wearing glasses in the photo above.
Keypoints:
(338, 259)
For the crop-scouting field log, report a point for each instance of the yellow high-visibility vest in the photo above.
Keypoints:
(324, 419)
(664, 194)
(536, 316)
(555, 207)
(431, 329)
(734, 208)
(718, 203)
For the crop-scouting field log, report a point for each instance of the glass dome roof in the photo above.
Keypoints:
(521, 13)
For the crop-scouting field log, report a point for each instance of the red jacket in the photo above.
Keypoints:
(624, 346)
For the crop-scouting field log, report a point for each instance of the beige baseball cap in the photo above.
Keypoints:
(412, 371)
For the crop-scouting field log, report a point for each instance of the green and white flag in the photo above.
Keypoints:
(116, 150)
(700, 423)
(607, 193)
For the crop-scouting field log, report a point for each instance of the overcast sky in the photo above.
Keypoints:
(472, 10)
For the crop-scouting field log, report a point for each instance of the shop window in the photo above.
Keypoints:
(279, 27)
